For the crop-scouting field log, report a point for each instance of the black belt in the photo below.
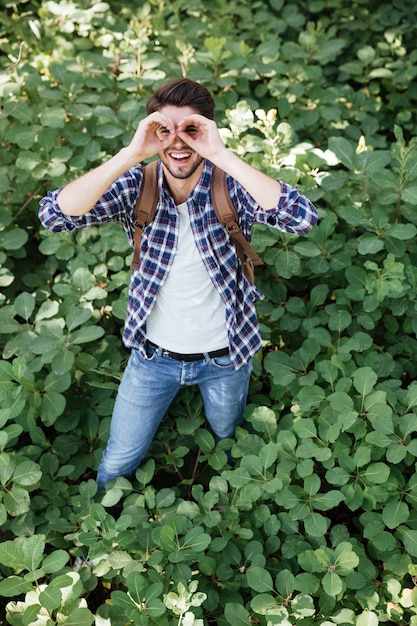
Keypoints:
(198, 356)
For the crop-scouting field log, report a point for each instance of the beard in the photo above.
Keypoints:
(182, 172)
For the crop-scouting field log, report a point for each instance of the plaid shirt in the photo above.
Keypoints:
(294, 214)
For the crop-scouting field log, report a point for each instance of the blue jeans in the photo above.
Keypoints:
(149, 385)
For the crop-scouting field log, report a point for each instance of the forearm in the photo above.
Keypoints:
(265, 190)
(79, 196)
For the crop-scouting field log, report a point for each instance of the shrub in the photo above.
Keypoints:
(315, 523)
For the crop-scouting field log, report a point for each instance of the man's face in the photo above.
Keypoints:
(178, 158)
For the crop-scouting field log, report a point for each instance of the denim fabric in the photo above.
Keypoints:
(147, 389)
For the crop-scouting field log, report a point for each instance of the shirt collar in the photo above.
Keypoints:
(200, 191)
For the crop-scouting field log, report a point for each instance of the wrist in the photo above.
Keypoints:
(129, 157)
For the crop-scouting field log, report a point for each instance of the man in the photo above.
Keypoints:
(191, 317)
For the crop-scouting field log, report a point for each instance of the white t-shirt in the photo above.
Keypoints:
(188, 315)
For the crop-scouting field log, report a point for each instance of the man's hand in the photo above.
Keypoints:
(153, 134)
(202, 135)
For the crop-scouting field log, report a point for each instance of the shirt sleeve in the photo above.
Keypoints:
(293, 214)
(117, 204)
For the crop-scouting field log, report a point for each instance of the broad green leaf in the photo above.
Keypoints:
(284, 582)
(87, 334)
(196, 540)
(63, 362)
(11, 554)
(305, 428)
(165, 498)
(237, 615)
(80, 617)
(316, 525)
(16, 501)
(55, 561)
(377, 473)
(280, 365)
(265, 603)
(327, 501)
(259, 579)
(145, 472)
(53, 117)
(31, 613)
(50, 598)
(77, 316)
(310, 396)
(33, 549)
(53, 405)
(118, 559)
(264, 420)
(340, 320)
(364, 380)
(24, 305)
(344, 150)
(303, 606)
(409, 539)
(27, 473)
(367, 618)
(13, 239)
(14, 586)
(332, 584)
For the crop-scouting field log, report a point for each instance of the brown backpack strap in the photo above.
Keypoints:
(145, 207)
(227, 215)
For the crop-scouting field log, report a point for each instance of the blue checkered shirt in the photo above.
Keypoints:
(294, 214)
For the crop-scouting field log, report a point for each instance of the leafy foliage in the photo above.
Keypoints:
(315, 521)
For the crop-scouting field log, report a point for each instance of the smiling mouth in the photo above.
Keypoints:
(180, 157)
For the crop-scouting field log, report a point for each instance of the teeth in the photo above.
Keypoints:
(180, 155)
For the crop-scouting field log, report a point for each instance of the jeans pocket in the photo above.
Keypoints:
(150, 351)
(222, 362)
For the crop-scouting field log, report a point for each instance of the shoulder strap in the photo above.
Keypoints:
(225, 211)
(145, 207)
(227, 215)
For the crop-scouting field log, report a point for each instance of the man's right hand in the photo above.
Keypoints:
(153, 134)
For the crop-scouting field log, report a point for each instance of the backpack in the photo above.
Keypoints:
(223, 206)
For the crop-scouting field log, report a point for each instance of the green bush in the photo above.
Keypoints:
(316, 522)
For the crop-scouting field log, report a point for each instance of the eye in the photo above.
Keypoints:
(164, 131)
(191, 130)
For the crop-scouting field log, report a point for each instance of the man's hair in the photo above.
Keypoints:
(182, 92)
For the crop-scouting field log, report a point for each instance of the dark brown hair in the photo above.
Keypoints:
(182, 92)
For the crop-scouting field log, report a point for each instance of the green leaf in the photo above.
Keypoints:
(53, 405)
(367, 618)
(316, 525)
(16, 501)
(80, 617)
(13, 239)
(332, 584)
(27, 473)
(11, 554)
(395, 513)
(364, 380)
(279, 364)
(14, 586)
(53, 117)
(305, 428)
(377, 473)
(409, 539)
(24, 305)
(50, 598)
(344, 150)
(55, 561)
(259, 579)
(236, 614)
(33, 549)
(87, 334)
